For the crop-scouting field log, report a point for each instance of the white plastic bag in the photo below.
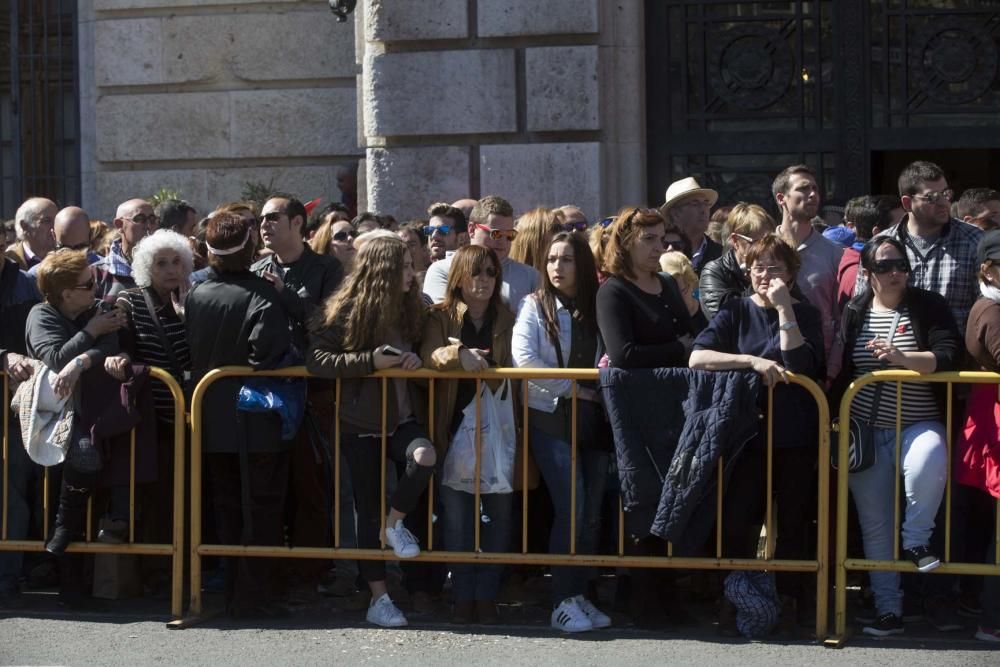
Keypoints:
(498, 441)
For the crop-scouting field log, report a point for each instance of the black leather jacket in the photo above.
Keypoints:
(721, 279)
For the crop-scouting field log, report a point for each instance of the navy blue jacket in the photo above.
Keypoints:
(17, 296)
(671, 425)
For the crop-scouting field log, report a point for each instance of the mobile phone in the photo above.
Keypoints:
(391, 351)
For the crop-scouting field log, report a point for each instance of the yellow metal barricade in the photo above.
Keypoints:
(818, 566)
(843, 563)
(175, 550)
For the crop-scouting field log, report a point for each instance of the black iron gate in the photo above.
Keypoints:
(39, 107)
(738, 90)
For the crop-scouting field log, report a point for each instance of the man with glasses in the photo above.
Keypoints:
(491, 224)
(797, 194)
(71, 230)
(33, 222)
(445, 222)
(689, 206)
(133, 220)
(941, 249)
(979, 207)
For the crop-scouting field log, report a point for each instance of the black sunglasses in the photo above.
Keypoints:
(345, 234)
(571, 227)
(273, 216)
(489, 270)
(85, 245)
(884, 266)
(89, 285)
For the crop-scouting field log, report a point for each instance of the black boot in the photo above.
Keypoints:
(70, 516)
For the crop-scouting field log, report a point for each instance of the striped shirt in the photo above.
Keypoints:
(919, 403)
(148, 347)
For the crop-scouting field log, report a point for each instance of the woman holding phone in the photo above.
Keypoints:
(373, 322)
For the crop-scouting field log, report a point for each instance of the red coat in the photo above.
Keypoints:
(977, 456)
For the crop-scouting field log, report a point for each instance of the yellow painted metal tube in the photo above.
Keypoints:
(769, 500)
(5, 405)
(385, 448)
(336, 466)
(131, 487)
(479, 462)
(525, 453)
(572, 471)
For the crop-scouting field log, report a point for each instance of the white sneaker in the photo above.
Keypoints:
(597, 617)
(383, 612)
(402, 541)
(569, 617)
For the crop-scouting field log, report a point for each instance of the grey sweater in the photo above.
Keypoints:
(55, 340)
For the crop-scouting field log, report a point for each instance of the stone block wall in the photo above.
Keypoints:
(204, 95)
(539, 102)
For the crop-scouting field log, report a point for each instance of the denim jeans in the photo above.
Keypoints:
(923, 465)
(553, 457)
(472, 581)
(23, 475)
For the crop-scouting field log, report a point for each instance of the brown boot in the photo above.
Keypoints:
(487, 612)
(464, 613)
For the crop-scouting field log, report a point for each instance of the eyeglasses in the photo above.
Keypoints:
(606, 222)
(774, 270)
(673, 244)
(497, 234)
(935, 197)
(345, 234)
(273, 216)
(143, 219)
(571, 227)
(444, 230)
(744, 237)
(489, 271)
(89, 285)
(883, 266)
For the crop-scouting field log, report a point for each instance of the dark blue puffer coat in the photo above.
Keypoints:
(671, 425)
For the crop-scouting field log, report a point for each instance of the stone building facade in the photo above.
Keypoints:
(541, 102)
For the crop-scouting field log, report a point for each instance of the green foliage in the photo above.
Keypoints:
(162, 195)
(259, 193)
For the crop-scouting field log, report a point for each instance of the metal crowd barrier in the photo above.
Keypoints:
(819, 565)
(175, 550)
(843, 563)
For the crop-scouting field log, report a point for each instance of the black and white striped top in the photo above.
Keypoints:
(147, 347)
(919, 403)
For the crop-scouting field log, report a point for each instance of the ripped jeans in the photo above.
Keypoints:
(553, 457)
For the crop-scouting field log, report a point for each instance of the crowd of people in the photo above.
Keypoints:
(906, 281)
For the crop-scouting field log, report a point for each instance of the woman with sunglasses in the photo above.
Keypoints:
(70, 334)
(373, 322)
(771, 333)
(470, 330)
(557, 327)
(892, 325)
(336, 237)
(726, 278)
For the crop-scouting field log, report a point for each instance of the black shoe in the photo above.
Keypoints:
(884, 626)
(61, 538)
(922, 557)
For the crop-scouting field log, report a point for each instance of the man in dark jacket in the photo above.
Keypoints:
(17, 296)
(303, 280)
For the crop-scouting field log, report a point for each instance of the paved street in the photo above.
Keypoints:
(341, 638)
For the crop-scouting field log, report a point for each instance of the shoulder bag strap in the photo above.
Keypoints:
(168, 346)
(880, 385)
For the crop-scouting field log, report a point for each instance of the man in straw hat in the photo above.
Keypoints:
(689, 206)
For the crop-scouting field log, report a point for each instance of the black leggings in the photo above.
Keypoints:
(364, 461)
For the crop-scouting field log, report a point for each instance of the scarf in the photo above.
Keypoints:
(989, 291)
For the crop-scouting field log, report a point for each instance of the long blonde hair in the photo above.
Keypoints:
(370, 303)
(534, 231)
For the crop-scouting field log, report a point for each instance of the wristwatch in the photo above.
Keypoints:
(788, 326)
(78, 362)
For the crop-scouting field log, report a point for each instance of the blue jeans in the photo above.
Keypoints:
(472, 581)
(553, 457)
(923, 465)
(24, 474)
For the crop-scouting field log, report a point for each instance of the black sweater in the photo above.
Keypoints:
(642, 330)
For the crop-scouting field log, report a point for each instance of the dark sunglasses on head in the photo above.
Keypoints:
(883, 266)
(345, 234)
(571, 227)
(442, 229)
(489, 270)
(89, 285)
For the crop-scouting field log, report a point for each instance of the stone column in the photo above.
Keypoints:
(539, 102)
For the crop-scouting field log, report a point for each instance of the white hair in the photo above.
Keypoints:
(27, 215)
(149, 247)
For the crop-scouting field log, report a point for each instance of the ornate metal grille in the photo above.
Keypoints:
(39, 114)
(738, 90)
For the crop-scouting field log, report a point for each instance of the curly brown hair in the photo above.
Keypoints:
(370, 303)
(627, 227)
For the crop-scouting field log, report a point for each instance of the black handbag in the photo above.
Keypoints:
(861, 453)
(187, 385)
(593, 432)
